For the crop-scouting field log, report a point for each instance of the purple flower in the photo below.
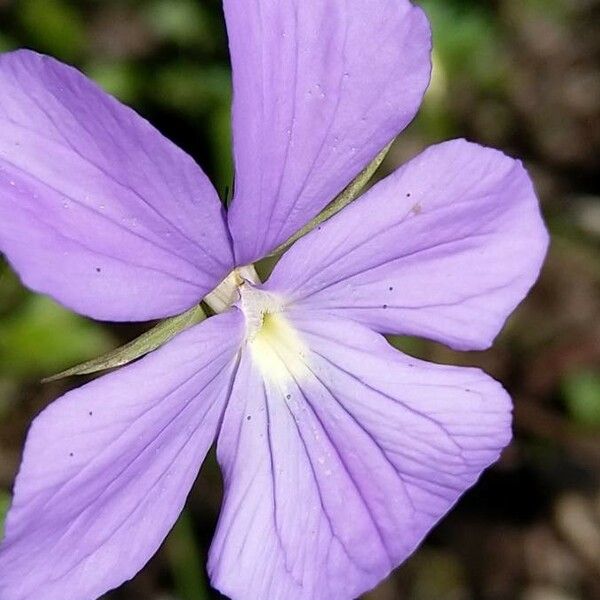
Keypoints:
(338, 452)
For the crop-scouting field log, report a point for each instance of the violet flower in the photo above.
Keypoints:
(338, 452)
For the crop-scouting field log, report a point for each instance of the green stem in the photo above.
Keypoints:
(137, 348)
(350, 193)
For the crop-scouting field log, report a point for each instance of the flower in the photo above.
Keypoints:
(338, 452)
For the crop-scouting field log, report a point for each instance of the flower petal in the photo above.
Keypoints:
(334, 475)
(98, 209)
(107, 467)
(444, 248)
(320, 88)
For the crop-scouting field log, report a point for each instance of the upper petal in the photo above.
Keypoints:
(445, 248)
(107, 467)
(334, 474)
(97, 208)
(320, 88)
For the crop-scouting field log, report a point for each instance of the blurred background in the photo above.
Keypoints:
(520, 75)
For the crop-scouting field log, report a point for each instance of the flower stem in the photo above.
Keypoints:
(350, 193)
(137, 348)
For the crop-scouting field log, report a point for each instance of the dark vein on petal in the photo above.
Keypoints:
(318, 485)
(277, 527)
(102, 216)
(283, 171)
(387, 261)
(406, 406)
(111, 176)
(361, 242)
(346, 468)
(141, 453)
(339, 454)
(158, 401)
(325, 137)
(119, 259)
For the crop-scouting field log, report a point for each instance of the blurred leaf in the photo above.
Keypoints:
(435, 119)
(6, 43)
(557, 10)
(11, 290)
(581, 392)
(467, 41)
(185, 22)
(42, 337)
(4, 505)
(186, 561)
(55, 26)
(8, 392)
(120, 79)
(417, 347)
(437, 574)
(193, 88)
(220, 137)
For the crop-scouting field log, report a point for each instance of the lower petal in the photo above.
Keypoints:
(107, 468)
(335, 473)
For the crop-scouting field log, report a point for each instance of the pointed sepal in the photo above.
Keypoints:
(144, 344)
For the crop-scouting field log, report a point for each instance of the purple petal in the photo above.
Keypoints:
(335, 473)
(97, 208)
(320, 88)
(445, 248)
(107, 468)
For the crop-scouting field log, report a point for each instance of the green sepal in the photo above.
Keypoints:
(147, 342)
(350, 193)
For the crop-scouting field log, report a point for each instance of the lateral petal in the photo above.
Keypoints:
(97, 208)
(320, 88)
(445, 248)
(334, 475)
(107, 467)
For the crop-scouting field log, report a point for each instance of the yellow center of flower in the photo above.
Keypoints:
(275, 345)
(277, 349)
